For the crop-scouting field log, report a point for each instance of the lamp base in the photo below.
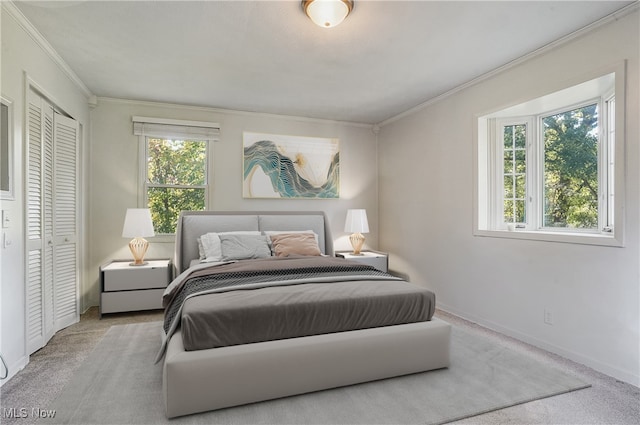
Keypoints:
(138, 247)
(357, 240)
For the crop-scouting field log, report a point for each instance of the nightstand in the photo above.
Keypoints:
(379, 260)
(133, 288)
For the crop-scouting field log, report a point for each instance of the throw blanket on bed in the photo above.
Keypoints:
(259, 273)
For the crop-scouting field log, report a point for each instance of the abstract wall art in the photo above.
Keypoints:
(278, 166)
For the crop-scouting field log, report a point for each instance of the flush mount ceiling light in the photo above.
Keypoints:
(327, 13)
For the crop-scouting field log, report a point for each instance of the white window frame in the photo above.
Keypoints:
(531, 173)
(488, 172)
(169, 129)
(609, 163)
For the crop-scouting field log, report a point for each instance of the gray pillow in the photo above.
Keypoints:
(244, 247)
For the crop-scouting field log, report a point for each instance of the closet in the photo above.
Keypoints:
(51, 224)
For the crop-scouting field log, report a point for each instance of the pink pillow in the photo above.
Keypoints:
(287, 244)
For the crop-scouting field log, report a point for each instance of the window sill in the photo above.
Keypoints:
(601, 239)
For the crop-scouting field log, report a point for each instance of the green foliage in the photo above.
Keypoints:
(571, 168)
(173, 166)
(176, 162)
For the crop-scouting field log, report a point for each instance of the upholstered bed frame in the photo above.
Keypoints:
(197, 381)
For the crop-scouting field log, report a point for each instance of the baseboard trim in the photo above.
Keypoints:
(607, 369)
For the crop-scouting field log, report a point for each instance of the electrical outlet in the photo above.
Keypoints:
(548, 317)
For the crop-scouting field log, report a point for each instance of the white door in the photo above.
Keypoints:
(65, 141)
(39, 223)
(52, 294)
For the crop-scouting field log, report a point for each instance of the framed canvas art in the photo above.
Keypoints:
(279, 166)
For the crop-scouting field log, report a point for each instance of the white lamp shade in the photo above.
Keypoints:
(356, 221)
(137, 222)
(327, 13)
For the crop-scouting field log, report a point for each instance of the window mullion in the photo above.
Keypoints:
(603, 159)
(497, 186)
(177, 186)
(535, 174)
(608, 141)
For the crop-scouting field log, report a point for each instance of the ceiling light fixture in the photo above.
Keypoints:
(327, 13)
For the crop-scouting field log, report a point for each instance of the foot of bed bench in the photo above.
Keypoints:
(198, 381)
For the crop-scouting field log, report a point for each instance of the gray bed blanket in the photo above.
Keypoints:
(265, 299)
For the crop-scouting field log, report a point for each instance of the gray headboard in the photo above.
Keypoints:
(193, 224)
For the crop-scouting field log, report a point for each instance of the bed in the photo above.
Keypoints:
(279, 351)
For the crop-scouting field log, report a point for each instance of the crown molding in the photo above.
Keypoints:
(618, 14)
(12, 10)
(230, 111)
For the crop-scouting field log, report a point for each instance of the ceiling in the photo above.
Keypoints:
(267, 56)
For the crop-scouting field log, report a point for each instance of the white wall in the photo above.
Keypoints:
(22, 57)
(426, 186)
(114, 172)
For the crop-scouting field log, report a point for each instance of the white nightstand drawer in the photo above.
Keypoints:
(121, 276)
(116, 302)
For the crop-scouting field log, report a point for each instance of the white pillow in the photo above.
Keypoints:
(244, 247)
(211, 243)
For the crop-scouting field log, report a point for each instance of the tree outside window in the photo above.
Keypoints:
(176, 180)
(571, 168)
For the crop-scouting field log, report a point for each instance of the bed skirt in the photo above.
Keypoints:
(198, 381)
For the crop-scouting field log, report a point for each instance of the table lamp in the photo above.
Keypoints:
(356, 224)
(138, 225)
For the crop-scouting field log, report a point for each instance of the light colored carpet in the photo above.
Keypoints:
(119, 384)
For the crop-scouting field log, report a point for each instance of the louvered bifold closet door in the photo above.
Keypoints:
(40, 243)
(65, 224)
(35, 263)
(48, 249)
(51, 222)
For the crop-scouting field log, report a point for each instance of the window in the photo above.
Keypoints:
(570, 142)
(547, 167)
(514, 140)
(176, 180)
(175, 168)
